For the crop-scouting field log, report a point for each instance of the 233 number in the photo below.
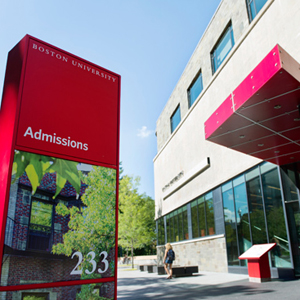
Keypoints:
(91, 259)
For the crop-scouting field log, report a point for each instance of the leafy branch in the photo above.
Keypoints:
(36, 166)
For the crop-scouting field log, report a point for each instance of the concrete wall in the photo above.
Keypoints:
(186, 151)
(209, 254)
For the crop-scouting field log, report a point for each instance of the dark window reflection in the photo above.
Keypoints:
(161, 231)
(210, 215)
(176, 229)
(194, 212)
(230, 225)
(172, 227)
(257, 218)
(180, 221)
(40, 227)
(185, 223)
(201, 212)
(203, 218)
(291, 183)
(243, 226)
(275, 219)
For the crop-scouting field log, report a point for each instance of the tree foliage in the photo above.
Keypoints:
(136, 216)
(91, 232)
(92, 226)
(36, 166)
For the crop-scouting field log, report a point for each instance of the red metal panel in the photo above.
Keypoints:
(259, 268)
(74, 104)
(241, 135)
(267, 101)
(270, 107)
(215, 122)
(248, 92)
(292, 134)
(265, 142)
(284, 149)
(285, 159)
(283, 122)
(8, 117)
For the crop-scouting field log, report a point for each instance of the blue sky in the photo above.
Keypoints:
(147, 42)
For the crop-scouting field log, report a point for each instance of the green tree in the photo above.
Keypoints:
(136, 216)
(87, 293)
(92, 226)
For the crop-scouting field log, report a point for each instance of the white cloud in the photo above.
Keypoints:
(144, 132)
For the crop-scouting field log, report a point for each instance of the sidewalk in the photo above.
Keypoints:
(137, 285)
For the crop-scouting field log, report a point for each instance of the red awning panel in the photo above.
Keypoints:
(261, 116)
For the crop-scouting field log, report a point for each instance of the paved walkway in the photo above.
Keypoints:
(137, 285)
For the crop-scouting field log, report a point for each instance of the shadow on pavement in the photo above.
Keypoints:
(156, 288)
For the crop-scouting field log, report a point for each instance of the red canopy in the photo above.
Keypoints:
(261, 116)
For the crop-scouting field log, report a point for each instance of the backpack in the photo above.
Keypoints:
(171, 254)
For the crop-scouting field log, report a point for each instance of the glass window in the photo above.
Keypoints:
(161, 231)
(203, 217)
(35, 296)
(210, 215)
(180, 222)
(201, 214)
(185, 223)
(175, 119)
(256, 210)
(168, 228)
(242, 218)
(230, 225)
(275, 219)
(222, 48)
(176, 229)
(254, 6)
(194, 213)
(40, 225)
(172, 227)
(195, 89)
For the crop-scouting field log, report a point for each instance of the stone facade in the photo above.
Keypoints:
(209, 254)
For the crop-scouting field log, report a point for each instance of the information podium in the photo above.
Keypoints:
(258, 262)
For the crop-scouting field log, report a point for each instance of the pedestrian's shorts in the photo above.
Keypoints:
(169, 261)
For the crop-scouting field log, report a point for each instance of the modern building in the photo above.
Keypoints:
(228, 141)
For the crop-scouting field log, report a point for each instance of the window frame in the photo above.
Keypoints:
(228, 30)
(28, 247)
(174, 125)
(250, 15)
(36, 294)
(192, 85)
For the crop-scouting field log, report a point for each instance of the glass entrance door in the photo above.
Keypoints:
(291, 182)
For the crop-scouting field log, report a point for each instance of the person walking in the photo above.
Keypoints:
(169, 257)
